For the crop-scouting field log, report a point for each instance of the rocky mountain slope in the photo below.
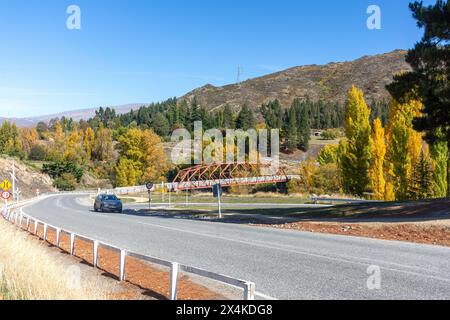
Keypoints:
(329, 82)
(29, 180)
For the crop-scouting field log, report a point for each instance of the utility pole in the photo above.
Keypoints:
(239, 74)
(13, 178)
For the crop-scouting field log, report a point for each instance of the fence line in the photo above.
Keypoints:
(15, 215)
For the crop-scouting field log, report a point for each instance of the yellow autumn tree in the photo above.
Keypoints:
(405, 145)
(57, 149)
(88, 142)
(376, 170)
(29, 138)
(142, 158)
(74, 150)
(355, 150)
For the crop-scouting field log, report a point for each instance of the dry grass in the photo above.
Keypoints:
(28, 271)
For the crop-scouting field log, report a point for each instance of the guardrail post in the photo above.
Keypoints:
(72, 244)
(249, 291)
(58, 237)
(95, 254)
(45, 231)
(123, 255)
(35, 227)
(174, 280)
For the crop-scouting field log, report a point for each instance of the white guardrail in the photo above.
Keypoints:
(316, 199)
(14, 214)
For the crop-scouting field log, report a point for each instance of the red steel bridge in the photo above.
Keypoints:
(206, 176)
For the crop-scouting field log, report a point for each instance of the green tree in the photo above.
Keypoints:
(329, 154)
(228, 118)
(439, 151)
(291, 134)
(161, 125)
(421, 185)
(246, 119)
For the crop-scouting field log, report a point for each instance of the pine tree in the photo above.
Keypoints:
(246, 119)
(376, 171)
(420, 185)
(291, 133)
(356, 149)
(161, 125)
(304, 129)
(228, 118)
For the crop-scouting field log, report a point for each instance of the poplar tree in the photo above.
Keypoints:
(376, 171)
(356, 148)
(405, 145)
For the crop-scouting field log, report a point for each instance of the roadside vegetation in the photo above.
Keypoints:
(30, 272)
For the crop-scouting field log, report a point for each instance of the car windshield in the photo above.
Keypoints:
(110, 198)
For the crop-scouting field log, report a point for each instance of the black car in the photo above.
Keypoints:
(108, 202)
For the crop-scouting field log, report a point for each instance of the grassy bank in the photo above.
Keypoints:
(29, 271)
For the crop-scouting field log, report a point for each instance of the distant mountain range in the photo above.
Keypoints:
(329, 82)
(74, 114)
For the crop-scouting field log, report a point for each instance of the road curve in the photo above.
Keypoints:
(284, 264)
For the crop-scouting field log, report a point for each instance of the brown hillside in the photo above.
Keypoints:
(329, 82)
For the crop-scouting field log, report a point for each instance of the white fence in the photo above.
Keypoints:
(15, 215)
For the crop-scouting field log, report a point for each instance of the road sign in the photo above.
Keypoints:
(217, 190)
(149, 185)
(6, 195)
(6, 185)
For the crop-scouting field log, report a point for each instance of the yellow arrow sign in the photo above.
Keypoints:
(6, 185)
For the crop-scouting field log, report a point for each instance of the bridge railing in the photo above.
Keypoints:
(14, 214)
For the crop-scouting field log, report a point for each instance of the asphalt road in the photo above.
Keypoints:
(284, 264)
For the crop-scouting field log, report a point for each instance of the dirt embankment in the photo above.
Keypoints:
(28, 179)
(426, 221)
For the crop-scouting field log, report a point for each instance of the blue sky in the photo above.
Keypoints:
(148, 50)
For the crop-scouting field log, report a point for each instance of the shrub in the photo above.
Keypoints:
(329, 154)
(317, 179)
(332, 134)
(57, 169)
(37, 153)
(67, 182)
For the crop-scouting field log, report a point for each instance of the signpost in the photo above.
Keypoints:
(149, 186)
(217, 192)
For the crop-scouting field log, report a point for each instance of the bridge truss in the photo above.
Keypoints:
(206, 176)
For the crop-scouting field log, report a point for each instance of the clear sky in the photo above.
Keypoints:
(133, 51)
